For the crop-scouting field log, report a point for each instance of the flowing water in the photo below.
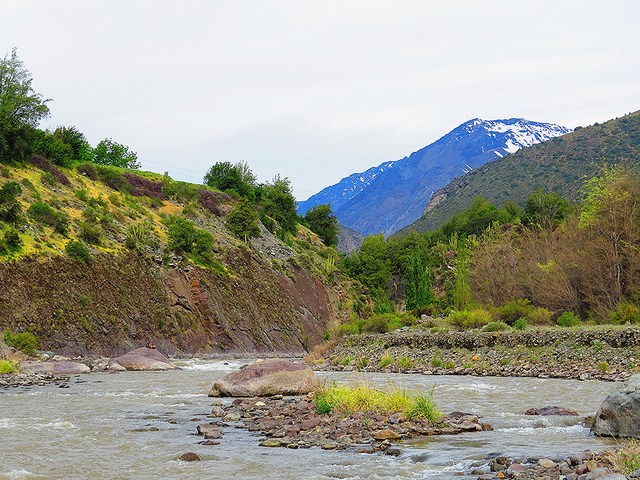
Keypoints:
(135, 426)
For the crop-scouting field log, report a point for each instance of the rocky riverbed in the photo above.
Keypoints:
(293, 422)
(31, 379)
(591, 354)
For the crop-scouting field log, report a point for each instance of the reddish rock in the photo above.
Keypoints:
(190, 457)
(309, 423)
(144, 359)
(553, 410)
(267, 378)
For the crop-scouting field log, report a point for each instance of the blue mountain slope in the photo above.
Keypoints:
(388, 197)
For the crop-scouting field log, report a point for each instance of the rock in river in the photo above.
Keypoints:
(619, 414)
(267, 378)
(553, 410)
(56, 368)
(144, 358)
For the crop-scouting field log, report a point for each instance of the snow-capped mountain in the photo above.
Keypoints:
(392, 195)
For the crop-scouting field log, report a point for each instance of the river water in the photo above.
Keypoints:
(135, 425)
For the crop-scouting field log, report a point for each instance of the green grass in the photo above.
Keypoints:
(363, 398)
(7, 366)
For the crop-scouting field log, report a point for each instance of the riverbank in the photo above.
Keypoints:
(607, 354)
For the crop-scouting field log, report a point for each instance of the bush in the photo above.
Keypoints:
(515, 309)
(625, 313)
(11, 239)
(495, 327)
(8, 367)
(78, 251)
(474, 318)
(143, 187)
(568, 319)
(91, 234)
(520, 324)
(43, 213)
(242, 221)
(540, 316)
(26, 342)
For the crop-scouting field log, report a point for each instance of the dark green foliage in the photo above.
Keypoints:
(475, 219)
(114, 154)
(11, 240)
(417, 287)
(78, 251)
(10, 208)
(545, 210)
(21, 109)
(26, 342)
(235, 179)
(185, 238)
(52, 147)
(242, 221)
(71, 136)
(278, 203)
(321, 220)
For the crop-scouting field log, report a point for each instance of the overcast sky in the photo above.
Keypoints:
(316, 90)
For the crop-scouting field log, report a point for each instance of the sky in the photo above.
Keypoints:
(317, 90)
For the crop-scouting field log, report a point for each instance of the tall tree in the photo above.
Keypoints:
(417, 282)
(322, 221)
(230, 178)
(108, 152)
(21, 109)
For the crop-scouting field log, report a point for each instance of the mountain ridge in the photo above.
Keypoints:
(388, 197)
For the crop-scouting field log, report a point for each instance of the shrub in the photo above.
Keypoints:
(12, 239)
(143, 187)
(540, 316)
(91, 234)
(211, 201)
(78, 251)
(515, 309)
(26, 342)
(88, 170)
(138, 235)
(55, 174)
(42, 213)
(495, 327)
(520, 324)
(242, 221)
(474, 318)
(8, 367)
(625, 313)
(568, 319)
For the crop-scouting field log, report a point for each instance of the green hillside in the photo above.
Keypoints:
(560, 165)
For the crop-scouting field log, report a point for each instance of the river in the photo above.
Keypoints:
(135, 425)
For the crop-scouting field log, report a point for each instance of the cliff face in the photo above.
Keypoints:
(116, 303)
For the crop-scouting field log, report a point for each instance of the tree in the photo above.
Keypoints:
(322, 221)
(237, 179)
(21, 109)
(279, 204)
(243, 220)
(545, 210)
(417, 283)
(108, 152)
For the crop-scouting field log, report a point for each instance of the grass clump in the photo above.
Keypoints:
(363, 398)
(495, 327)
(8, 367)
(626, 458)
(473, 318)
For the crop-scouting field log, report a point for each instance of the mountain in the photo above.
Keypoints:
(348, 240)
(560, 165)
(393, 195)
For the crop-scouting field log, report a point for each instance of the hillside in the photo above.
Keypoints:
(559, 165)
(386, 198)
(133, 283)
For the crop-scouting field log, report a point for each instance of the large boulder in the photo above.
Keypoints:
(267, 378)
(144, 358)
(57, 368)
(619, 414)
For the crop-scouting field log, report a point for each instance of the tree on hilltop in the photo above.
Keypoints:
(21, 109)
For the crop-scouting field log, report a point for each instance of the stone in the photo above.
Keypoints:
(209, 431)
(546, 463)
(271, 442)
(232, 417)
(619, 414)
(144, 358)
(267, 378)
(217, 412)
(309, 423)
(56, 367)
(190, 457)
(386, 434)
(552, 410)
(515, 467)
